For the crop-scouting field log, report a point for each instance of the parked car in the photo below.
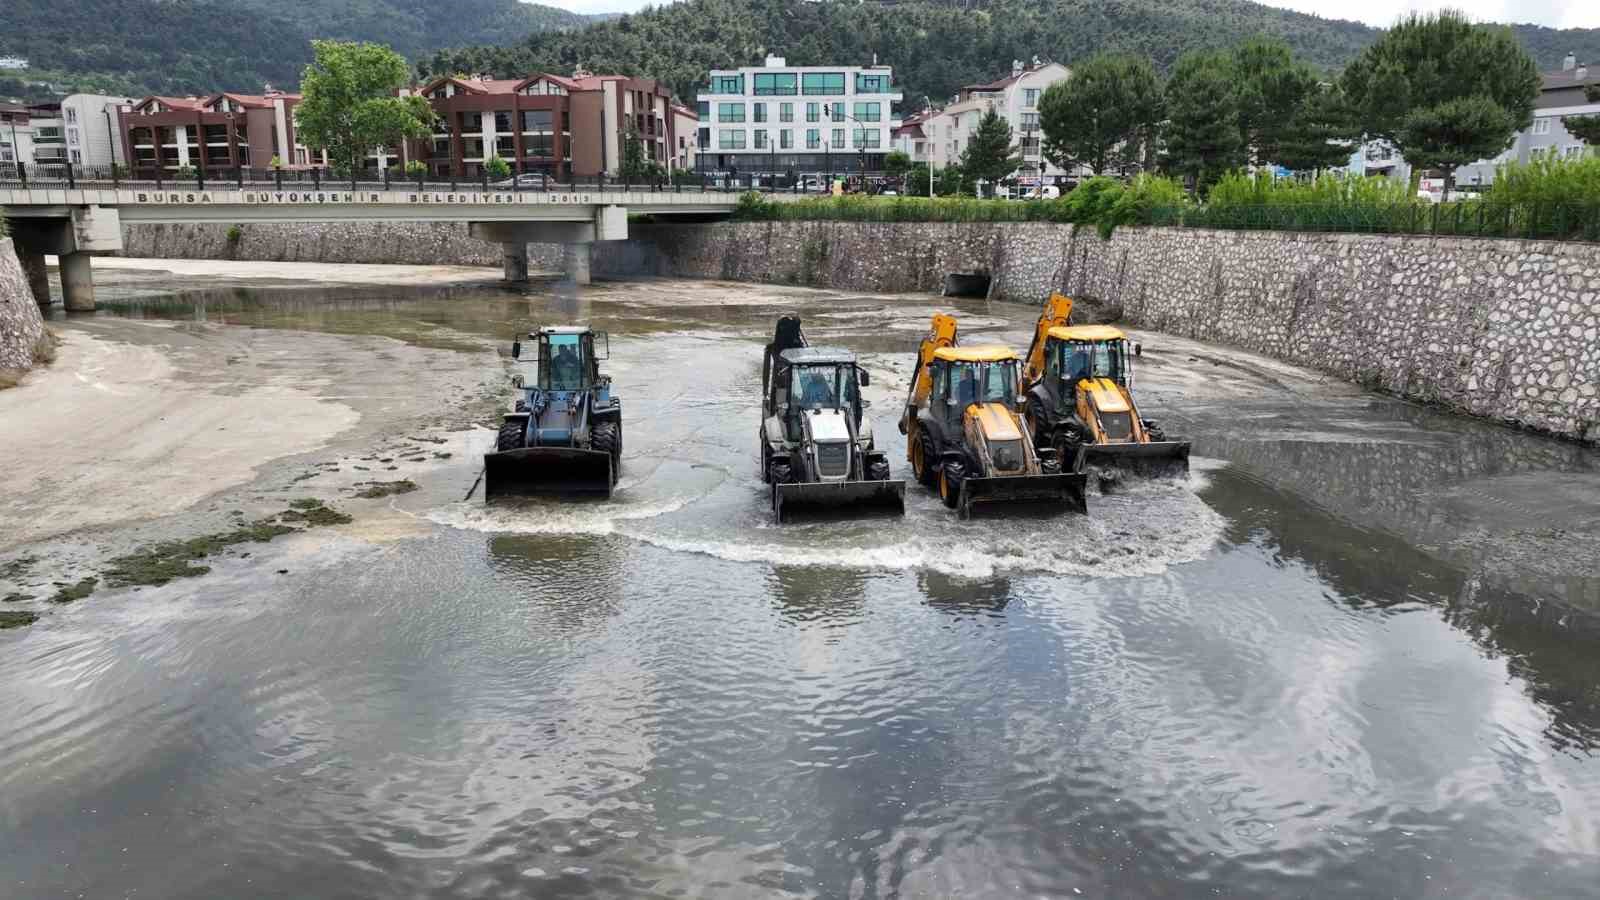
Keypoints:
(1044, 192)
(527, 181)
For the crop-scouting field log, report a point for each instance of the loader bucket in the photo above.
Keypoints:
(1157, 459)
(1045, 494)
(790, 501)
(547, 470)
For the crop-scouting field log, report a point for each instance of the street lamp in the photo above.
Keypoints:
(861, 160)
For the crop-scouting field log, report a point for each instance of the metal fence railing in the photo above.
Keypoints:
(67, 175)
(1468, 218)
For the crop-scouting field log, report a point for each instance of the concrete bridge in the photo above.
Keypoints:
(77, 221)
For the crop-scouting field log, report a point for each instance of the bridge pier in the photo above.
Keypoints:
(77, 282)
(515, 261)
(38, 274)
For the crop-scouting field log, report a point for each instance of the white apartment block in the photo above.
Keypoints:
(93, 129)
(777, 118)
(1016, 99)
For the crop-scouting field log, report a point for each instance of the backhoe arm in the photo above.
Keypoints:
(941, 334)
(1057, 310)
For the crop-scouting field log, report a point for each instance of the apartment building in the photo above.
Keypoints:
(1016, 99)
(911, 136)
(49, 136)
(16, 134)
(1562, 93)
(92, 124)
(217, 132)
(776, 118)
(566, 127)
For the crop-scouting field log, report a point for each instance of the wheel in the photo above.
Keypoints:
(1154, 432)
(766, 459)
(950, 482)
(779, 473)
(1049, 464)
(510, 437)
(922, 461)
(878, 469)
(607, 437)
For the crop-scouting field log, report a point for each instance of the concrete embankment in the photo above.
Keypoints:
(23, 339)
(1496, 328)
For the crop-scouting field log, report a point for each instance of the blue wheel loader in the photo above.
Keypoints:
(565, 435)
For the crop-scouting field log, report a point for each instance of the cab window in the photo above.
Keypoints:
(564, 362)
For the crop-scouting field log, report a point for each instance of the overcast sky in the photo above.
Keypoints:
(1554, 13)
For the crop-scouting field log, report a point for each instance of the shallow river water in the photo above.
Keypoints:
(1355, 654)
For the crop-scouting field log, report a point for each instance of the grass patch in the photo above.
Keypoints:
(10, 619)
(18, 567)
(75, 592)
(376, 489)
(170, 560)
(15, 598)
(315, 515)
(305, 503)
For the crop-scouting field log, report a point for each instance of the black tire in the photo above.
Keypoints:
(779, 473)
(950, 478)
(878, 469)
(1050, 464)
(929, 475)
(766, 459)
(607, 437)
(1154, 432)
(510, 437)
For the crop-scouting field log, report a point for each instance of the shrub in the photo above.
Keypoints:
(184, 173)
(497, 167)
(416, 168)
(1547, 179)
(234, 234)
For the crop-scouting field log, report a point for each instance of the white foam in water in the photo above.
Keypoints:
(554, 516)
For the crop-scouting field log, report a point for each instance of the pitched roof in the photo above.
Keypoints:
(184, 103)
(1555, 81)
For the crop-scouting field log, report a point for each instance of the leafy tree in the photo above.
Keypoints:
(1409, 88)
(896, 162)
(496, 167)
(1586, 128)
(1320, 135)
(987, 156)
(1101, 116)
(1202, 134)
(348, 105)
(946, 181)
(636, 166)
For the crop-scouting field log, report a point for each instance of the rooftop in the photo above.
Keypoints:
(986, 353)
(817, 355)
(1086, 333)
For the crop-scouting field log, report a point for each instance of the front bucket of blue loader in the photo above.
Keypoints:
(1156, 459)
(790, 501)
(1035, 494)
(557, 471)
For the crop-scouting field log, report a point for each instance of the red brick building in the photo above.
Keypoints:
(212, 133)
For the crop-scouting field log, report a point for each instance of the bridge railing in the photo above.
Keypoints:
(73, 177)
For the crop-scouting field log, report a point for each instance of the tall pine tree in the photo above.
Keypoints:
(988, 156)
(1202, 134)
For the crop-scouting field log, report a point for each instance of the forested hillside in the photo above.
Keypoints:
(934, 47)
(183, 46)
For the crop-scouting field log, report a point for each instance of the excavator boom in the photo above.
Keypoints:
(1057, 310)
(941, 334)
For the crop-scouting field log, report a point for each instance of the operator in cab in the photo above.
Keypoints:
(566, 373)
(818, 391)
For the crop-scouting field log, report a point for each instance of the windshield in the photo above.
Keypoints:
(992, 382)
(824, 385)
(565, 361)
(1099, 359)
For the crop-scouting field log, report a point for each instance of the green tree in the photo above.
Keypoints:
(349, 105)
(1321, 133)
(987, 156)
(497, 168)
(1411, 84)
(1202, 136)
(1103, 115)
(896, 162)
(636, 165)
(1586, 128)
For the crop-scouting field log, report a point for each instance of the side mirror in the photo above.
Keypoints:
(866, 379)
(516, 349)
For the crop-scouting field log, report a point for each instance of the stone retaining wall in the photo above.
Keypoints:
(21, 325)
(1498, 328)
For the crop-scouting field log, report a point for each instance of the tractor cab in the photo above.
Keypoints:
(963, 376)
(814, 380)
(1076, 353)
(566, 357)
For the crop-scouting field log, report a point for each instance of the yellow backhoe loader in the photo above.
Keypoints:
(965, 436)
(1078, 380)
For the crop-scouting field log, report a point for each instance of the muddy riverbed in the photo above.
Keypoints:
(1356, 653)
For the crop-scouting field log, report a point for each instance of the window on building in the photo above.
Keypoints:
(730, 139)
(868, 112)
(867, 138)
(1030, 121)
(505, 146)
(472, 121)
(730, 112)
(727, 84)
(872, 84)
(1541, 126)
(813, 112)
(1571, 151)
(785, 139)
(838, 137)
(704, 107)
(771, 84)
(502, 120)
(758, 112)
(822, 83)
(1030, 146)
(72, 135)
(836, 111)
(77, 156)
(761, 139)
(538, 119)
(703, 139)
(539, 145)
(1030, 98)
(813, 139)
(72, 115)
(785, 112)
(472, 148)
